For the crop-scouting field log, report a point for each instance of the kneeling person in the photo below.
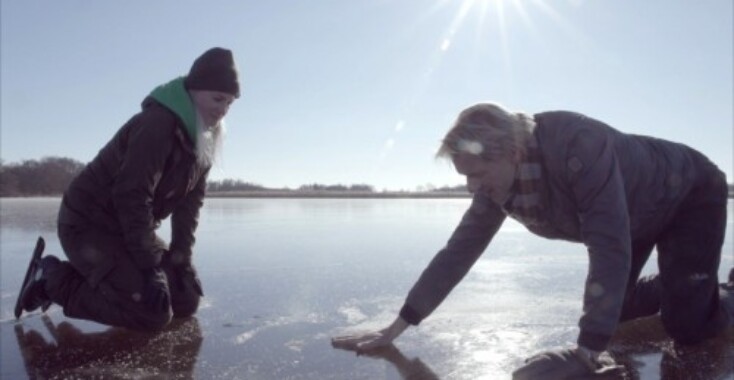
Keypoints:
(119, 271)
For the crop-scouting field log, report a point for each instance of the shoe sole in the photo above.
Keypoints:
(32, 267)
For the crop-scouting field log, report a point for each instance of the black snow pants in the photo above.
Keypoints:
(686, 290)
(100, 282)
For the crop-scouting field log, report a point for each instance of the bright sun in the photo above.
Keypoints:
(489, 16)
(493, 12)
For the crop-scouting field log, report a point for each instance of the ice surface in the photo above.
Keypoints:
(282, 276)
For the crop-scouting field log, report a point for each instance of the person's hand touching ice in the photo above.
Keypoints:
(371, 340)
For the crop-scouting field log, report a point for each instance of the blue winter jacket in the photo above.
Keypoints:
(604, 188)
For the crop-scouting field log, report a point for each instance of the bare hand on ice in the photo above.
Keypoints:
(371, 340)
(362, 342)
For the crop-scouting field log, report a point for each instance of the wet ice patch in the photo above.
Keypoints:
(487, 356)
(352, 313)
(204, 303)
(295, 345)
(367, 315)
(481, 352)
(257, 325)
(245, 336)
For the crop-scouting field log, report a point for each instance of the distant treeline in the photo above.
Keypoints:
(46, 177)
(50, 176)
(237, 185)
(232, 185)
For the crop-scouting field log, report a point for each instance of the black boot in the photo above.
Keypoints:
(32, 292)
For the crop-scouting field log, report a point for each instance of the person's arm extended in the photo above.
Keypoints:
(477, 228)
(148, 147)
(185, 220)
(598, 187)
(479, 224)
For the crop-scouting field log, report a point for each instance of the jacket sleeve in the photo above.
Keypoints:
(598, 188)
(479, 224)
(185, 219)
(147, 148)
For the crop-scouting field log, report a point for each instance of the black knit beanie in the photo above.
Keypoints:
(214, 71)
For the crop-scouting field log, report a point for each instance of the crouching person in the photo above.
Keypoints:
(119, 272)
(564, 175)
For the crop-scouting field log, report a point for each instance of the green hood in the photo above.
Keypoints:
(173, 95)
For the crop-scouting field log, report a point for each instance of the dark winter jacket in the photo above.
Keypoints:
(147, 172)
(603, 188)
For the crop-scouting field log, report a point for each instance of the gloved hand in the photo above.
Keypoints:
(183, 272)
(186, 275)
(155, 290)
(569, 363)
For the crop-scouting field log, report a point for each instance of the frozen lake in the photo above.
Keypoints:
(282, 276)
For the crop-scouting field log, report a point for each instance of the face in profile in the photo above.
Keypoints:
(491, 177)
(211, 105)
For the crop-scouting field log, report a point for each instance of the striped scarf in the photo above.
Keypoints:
(527, 200)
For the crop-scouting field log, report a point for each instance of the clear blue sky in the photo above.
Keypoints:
(362, 91)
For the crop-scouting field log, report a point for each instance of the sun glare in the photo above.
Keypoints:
(489, 21)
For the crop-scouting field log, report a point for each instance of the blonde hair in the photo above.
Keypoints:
(208, 141)
(489, 131)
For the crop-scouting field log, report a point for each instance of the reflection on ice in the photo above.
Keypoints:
(295, 345)
(244, 337)
(258, 325)
(281, 277)
(114, 353)
(648, 353)
(353, 314)
(408, 368)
